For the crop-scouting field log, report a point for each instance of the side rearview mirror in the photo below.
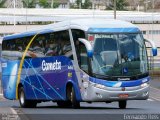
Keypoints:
(88, 47)
(154, 48)
(154, 51)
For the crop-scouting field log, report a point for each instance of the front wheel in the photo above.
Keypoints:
(122, 104)
(75, 103)
(22, 100)
(64, 104)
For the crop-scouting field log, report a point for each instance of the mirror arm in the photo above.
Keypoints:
(154, 48)
(88, 46)
(151, 43)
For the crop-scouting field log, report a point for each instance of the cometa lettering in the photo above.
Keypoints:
(51, 66)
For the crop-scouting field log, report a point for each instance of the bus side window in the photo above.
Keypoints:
(59, 44)
(5, 45)
(66, 45)
(53, 44)
(37, 47)
(6, 49)
(9, 50)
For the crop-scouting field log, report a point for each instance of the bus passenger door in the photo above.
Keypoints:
(81, 61)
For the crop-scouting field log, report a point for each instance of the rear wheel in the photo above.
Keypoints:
(22, 100)
(122, 104)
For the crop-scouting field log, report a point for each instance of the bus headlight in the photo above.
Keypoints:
(144, 85)
(99, 86)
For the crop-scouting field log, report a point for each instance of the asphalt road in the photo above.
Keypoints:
(145, 109)
(49, 110)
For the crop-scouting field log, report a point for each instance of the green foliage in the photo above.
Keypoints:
(55, 4)
(2, 2)
(78, 2)
(120, 5)
(87, 4)
(44, 3)
(29, 3)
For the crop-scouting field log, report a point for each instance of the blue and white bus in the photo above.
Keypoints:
(82, 60)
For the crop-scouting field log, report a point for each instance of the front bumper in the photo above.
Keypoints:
(113, 93)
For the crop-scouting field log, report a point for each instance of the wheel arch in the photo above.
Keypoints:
(76, 88)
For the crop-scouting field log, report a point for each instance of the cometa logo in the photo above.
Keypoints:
(51, 65)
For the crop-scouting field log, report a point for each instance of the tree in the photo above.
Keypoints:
(87, 4)
(55, 4)
(29, 3)
(78, 3)
(44, 3)
(120, 4)
(84, 5)
(2, 2)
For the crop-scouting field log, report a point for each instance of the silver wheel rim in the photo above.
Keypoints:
(22, 97)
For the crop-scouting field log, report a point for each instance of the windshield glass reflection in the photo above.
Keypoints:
(119, 55)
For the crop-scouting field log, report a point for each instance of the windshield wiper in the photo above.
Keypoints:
(101, 76)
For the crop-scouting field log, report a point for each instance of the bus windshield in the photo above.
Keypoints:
(119, 55)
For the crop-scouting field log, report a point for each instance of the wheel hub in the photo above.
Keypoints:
(22, 97)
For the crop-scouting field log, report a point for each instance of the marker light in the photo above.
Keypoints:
(91, 38)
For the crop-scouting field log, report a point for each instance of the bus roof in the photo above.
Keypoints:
(91, 25)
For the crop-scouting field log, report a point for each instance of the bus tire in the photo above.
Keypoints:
(63, 104)
(22, 100)
(122, 104)
(32, 104)
(75, 103)
(60, 104)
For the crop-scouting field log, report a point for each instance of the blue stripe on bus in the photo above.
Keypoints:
(113, 30)
(130, 83)
(26, 34)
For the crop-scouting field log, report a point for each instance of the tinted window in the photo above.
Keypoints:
(37, 47)
(13, 49)
(50, 44)
(58, 43)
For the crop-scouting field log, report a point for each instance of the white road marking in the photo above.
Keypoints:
(150, 100)
(155, 88)
(13, 111)
(155, 99)
(14, 115)
(154, 93)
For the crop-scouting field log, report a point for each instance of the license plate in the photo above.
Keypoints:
(123, 95)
